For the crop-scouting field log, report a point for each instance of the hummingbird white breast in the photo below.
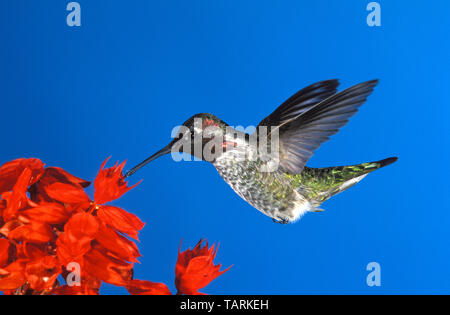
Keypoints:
(269, 192)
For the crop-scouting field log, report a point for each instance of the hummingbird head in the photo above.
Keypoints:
(195, 133)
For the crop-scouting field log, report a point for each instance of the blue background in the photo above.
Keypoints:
(117, 85)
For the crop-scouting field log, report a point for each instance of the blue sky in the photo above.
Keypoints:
(117, 85)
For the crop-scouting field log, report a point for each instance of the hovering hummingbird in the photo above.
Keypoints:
(302, 123)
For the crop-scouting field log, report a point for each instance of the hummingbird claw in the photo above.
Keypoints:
(282, 221)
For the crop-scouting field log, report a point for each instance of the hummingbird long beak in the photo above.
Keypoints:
(161, 152)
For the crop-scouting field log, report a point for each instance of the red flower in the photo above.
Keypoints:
(110, 183)
(58, 224)
(195, 268)
(48, 224)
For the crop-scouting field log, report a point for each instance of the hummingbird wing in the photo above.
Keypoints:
(300, 102)
(302, 133)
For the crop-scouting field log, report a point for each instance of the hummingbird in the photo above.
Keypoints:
(302, 123)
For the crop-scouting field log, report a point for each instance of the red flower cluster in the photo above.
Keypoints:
(51, 230)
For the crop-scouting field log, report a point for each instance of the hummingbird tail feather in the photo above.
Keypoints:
(387, 161)
(323, 183)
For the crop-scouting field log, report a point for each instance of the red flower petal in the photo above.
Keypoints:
(10, 226)
(67, 193)
(57, 174)
(51, 213)
(33, 232)
(110, 183)
(142, 287)
(103, 266)
(50, 176)
(117, 244)
(10, 172)
(42, 273)
(4, 252)
(17, 199)
(120, 220)
(2, 209)
(29, 251)
(12, 276)
(84, 289)
(79, 231)
(82, 225)
(69, 251)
